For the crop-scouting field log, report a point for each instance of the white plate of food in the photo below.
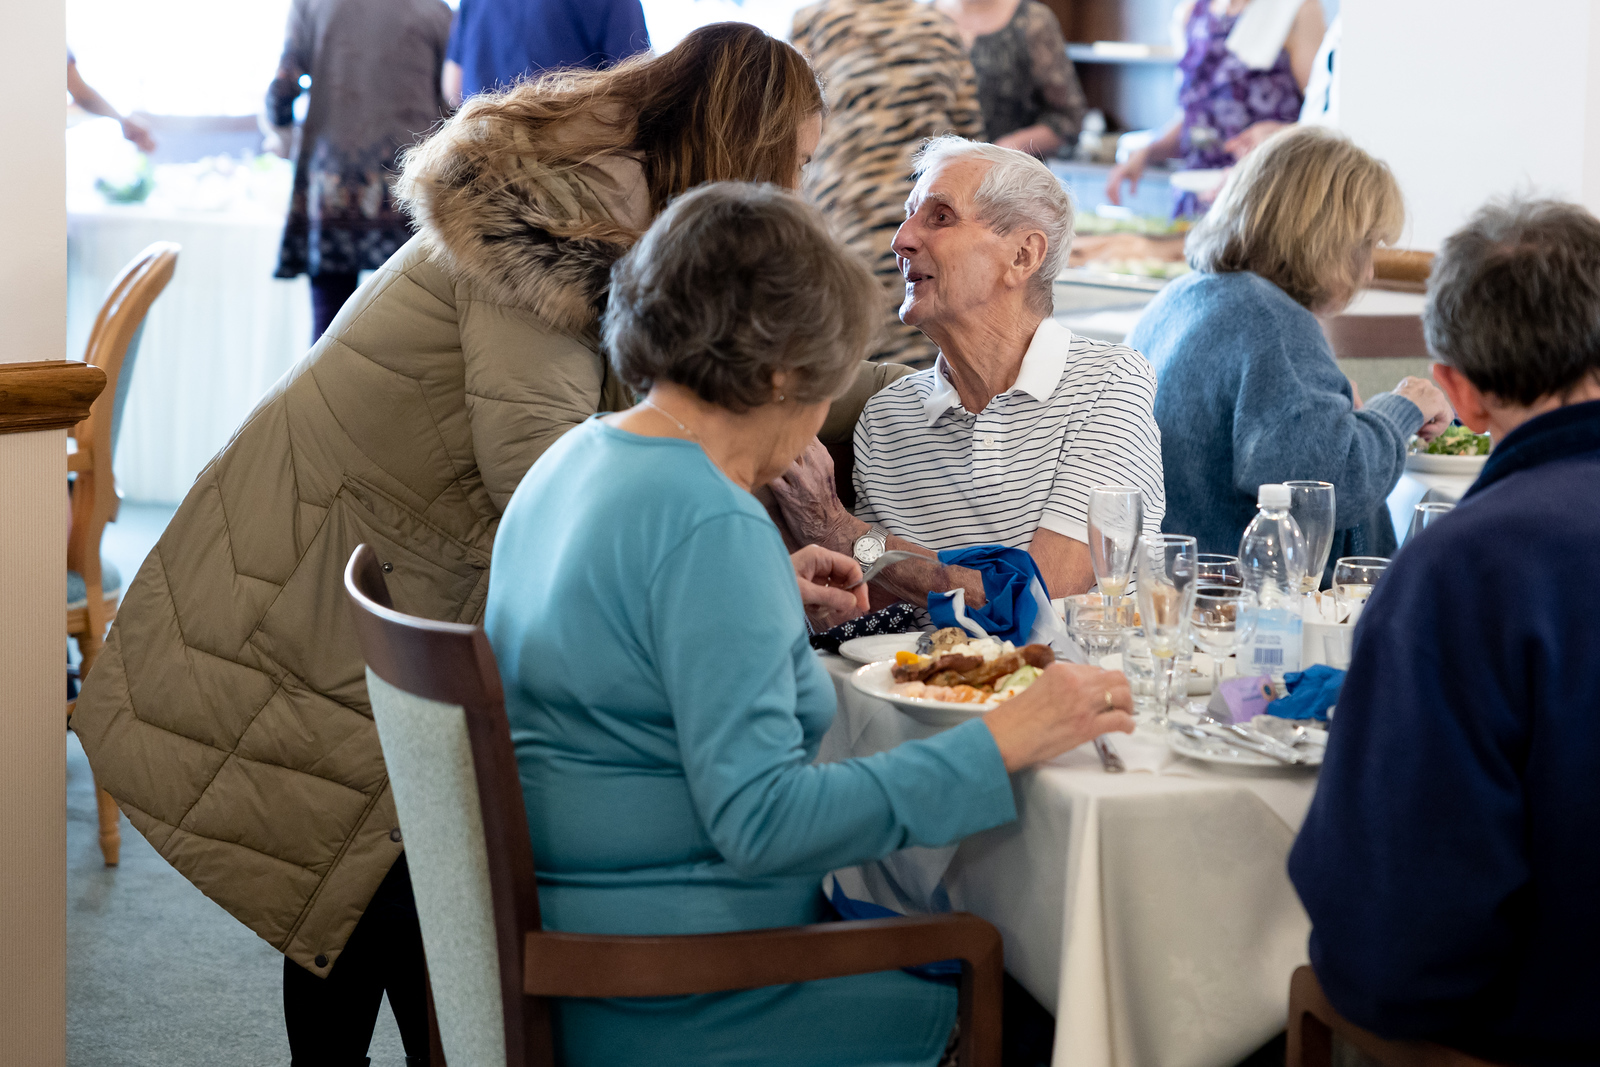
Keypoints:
(963, 678)
(878, 647)
(1456, 451)
(1313, 746)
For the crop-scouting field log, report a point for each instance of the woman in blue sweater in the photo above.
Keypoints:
(665, 704)
(1248, 391)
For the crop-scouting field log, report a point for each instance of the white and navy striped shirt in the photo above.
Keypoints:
(1080, 414)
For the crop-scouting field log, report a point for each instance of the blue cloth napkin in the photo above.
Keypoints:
(1311, 693)
(1010, 609)
(850, 908)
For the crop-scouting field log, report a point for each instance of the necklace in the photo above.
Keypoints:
(647, 402)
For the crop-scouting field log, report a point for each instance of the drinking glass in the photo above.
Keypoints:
(1353, 579)
(1116, 514)
(1214, 568)
(1166, 565)
(1098, 625)
(1425, 515)
(1311, 507)
(1222, 622)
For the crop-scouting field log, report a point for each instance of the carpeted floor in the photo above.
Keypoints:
(156, 973)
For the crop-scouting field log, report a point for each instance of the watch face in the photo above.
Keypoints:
(868, 549)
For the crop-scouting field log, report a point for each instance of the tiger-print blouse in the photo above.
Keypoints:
(895, 74)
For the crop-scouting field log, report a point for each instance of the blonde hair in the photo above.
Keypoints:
(1304, 211)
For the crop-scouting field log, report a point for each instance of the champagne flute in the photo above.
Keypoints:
(1353, 579)
(1116, 515)
(1166, 567)
(1312, 508)
(1214, 568)
(1426, 514)
(1222, 622)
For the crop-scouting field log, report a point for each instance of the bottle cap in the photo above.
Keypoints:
(1273, 496)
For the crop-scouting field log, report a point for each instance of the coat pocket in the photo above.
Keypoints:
(309, 633)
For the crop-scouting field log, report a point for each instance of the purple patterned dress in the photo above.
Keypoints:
(1220, 96)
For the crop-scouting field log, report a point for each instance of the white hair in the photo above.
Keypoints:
(1017, 192)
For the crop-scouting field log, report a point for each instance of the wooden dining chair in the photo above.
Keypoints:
(440, 713)
(93, 585)
(1314, 1022)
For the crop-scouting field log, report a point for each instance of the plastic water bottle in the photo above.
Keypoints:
(1272, 561)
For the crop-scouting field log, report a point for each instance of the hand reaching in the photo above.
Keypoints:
(822, 576)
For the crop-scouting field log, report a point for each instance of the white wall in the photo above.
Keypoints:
(33, 593)
(1470, 99)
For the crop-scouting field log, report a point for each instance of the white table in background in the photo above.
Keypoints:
(218, 337)
(1414, 488)
(1149, 911)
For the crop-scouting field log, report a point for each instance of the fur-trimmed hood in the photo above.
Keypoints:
(485, 201)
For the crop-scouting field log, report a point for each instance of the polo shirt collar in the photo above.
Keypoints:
(1040, 373)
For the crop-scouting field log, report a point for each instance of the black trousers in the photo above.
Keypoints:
(329, 291)
(330, 1020)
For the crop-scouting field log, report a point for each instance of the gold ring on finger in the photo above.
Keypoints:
(1109, 703)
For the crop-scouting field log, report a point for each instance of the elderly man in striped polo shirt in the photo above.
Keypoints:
(1002, 439)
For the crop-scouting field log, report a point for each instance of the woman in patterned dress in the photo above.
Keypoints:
(895, 74)
(1227, 107)
(373, 68)
(1026, 85)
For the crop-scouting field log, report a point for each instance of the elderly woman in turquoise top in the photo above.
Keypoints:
(665, 704)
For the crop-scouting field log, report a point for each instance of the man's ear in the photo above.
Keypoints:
(1030, 256)
(1466, 398)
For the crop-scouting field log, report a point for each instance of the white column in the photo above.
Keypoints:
(1473, 99)
(33, 474)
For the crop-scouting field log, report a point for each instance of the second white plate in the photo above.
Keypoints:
(877, 647)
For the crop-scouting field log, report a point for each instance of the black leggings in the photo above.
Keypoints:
(329, 291)
(330, 1020)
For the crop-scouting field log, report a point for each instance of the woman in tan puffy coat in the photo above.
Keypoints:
(228, 712)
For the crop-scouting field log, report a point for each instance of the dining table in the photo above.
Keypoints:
(1149, 911)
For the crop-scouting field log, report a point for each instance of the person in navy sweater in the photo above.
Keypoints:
(496, 43)
(1450, 862)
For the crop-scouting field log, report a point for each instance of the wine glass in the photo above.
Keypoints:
(1426, 514)
(1311, 506)
(1166, 565)
(1116, 515)
(1222, 622)
(1214, 568)
(1353, 579)
(1098, 625)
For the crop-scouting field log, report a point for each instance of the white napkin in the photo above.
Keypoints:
(1261, 31)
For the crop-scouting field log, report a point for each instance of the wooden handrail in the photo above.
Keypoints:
(54, 394)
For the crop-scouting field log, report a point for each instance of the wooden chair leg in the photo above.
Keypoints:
(89, 644)
(110, 826)
(1310, 1041)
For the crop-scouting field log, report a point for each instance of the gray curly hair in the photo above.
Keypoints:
(1017, 192)
(733, 283)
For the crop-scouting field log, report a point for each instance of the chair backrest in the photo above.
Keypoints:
(113, 347)
(440, 712)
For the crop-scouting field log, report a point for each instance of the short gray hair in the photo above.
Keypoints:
(1514, 299)
(733, 283)
(1017, 192)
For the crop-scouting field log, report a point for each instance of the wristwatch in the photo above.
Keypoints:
(869, 546)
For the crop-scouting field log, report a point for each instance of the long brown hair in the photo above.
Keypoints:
(726, 104)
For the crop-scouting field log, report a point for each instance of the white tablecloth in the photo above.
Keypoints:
(215, 341)
(1149, 911)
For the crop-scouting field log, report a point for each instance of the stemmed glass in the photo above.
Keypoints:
(1312, 508)
(1116, 514)
(1214, 568)
(1426, 514)
(1222, 623)
(1353, 579)
(1166, 565)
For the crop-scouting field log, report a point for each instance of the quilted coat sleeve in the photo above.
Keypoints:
(526, 384)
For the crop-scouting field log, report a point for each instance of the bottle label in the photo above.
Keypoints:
(1274, 645)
